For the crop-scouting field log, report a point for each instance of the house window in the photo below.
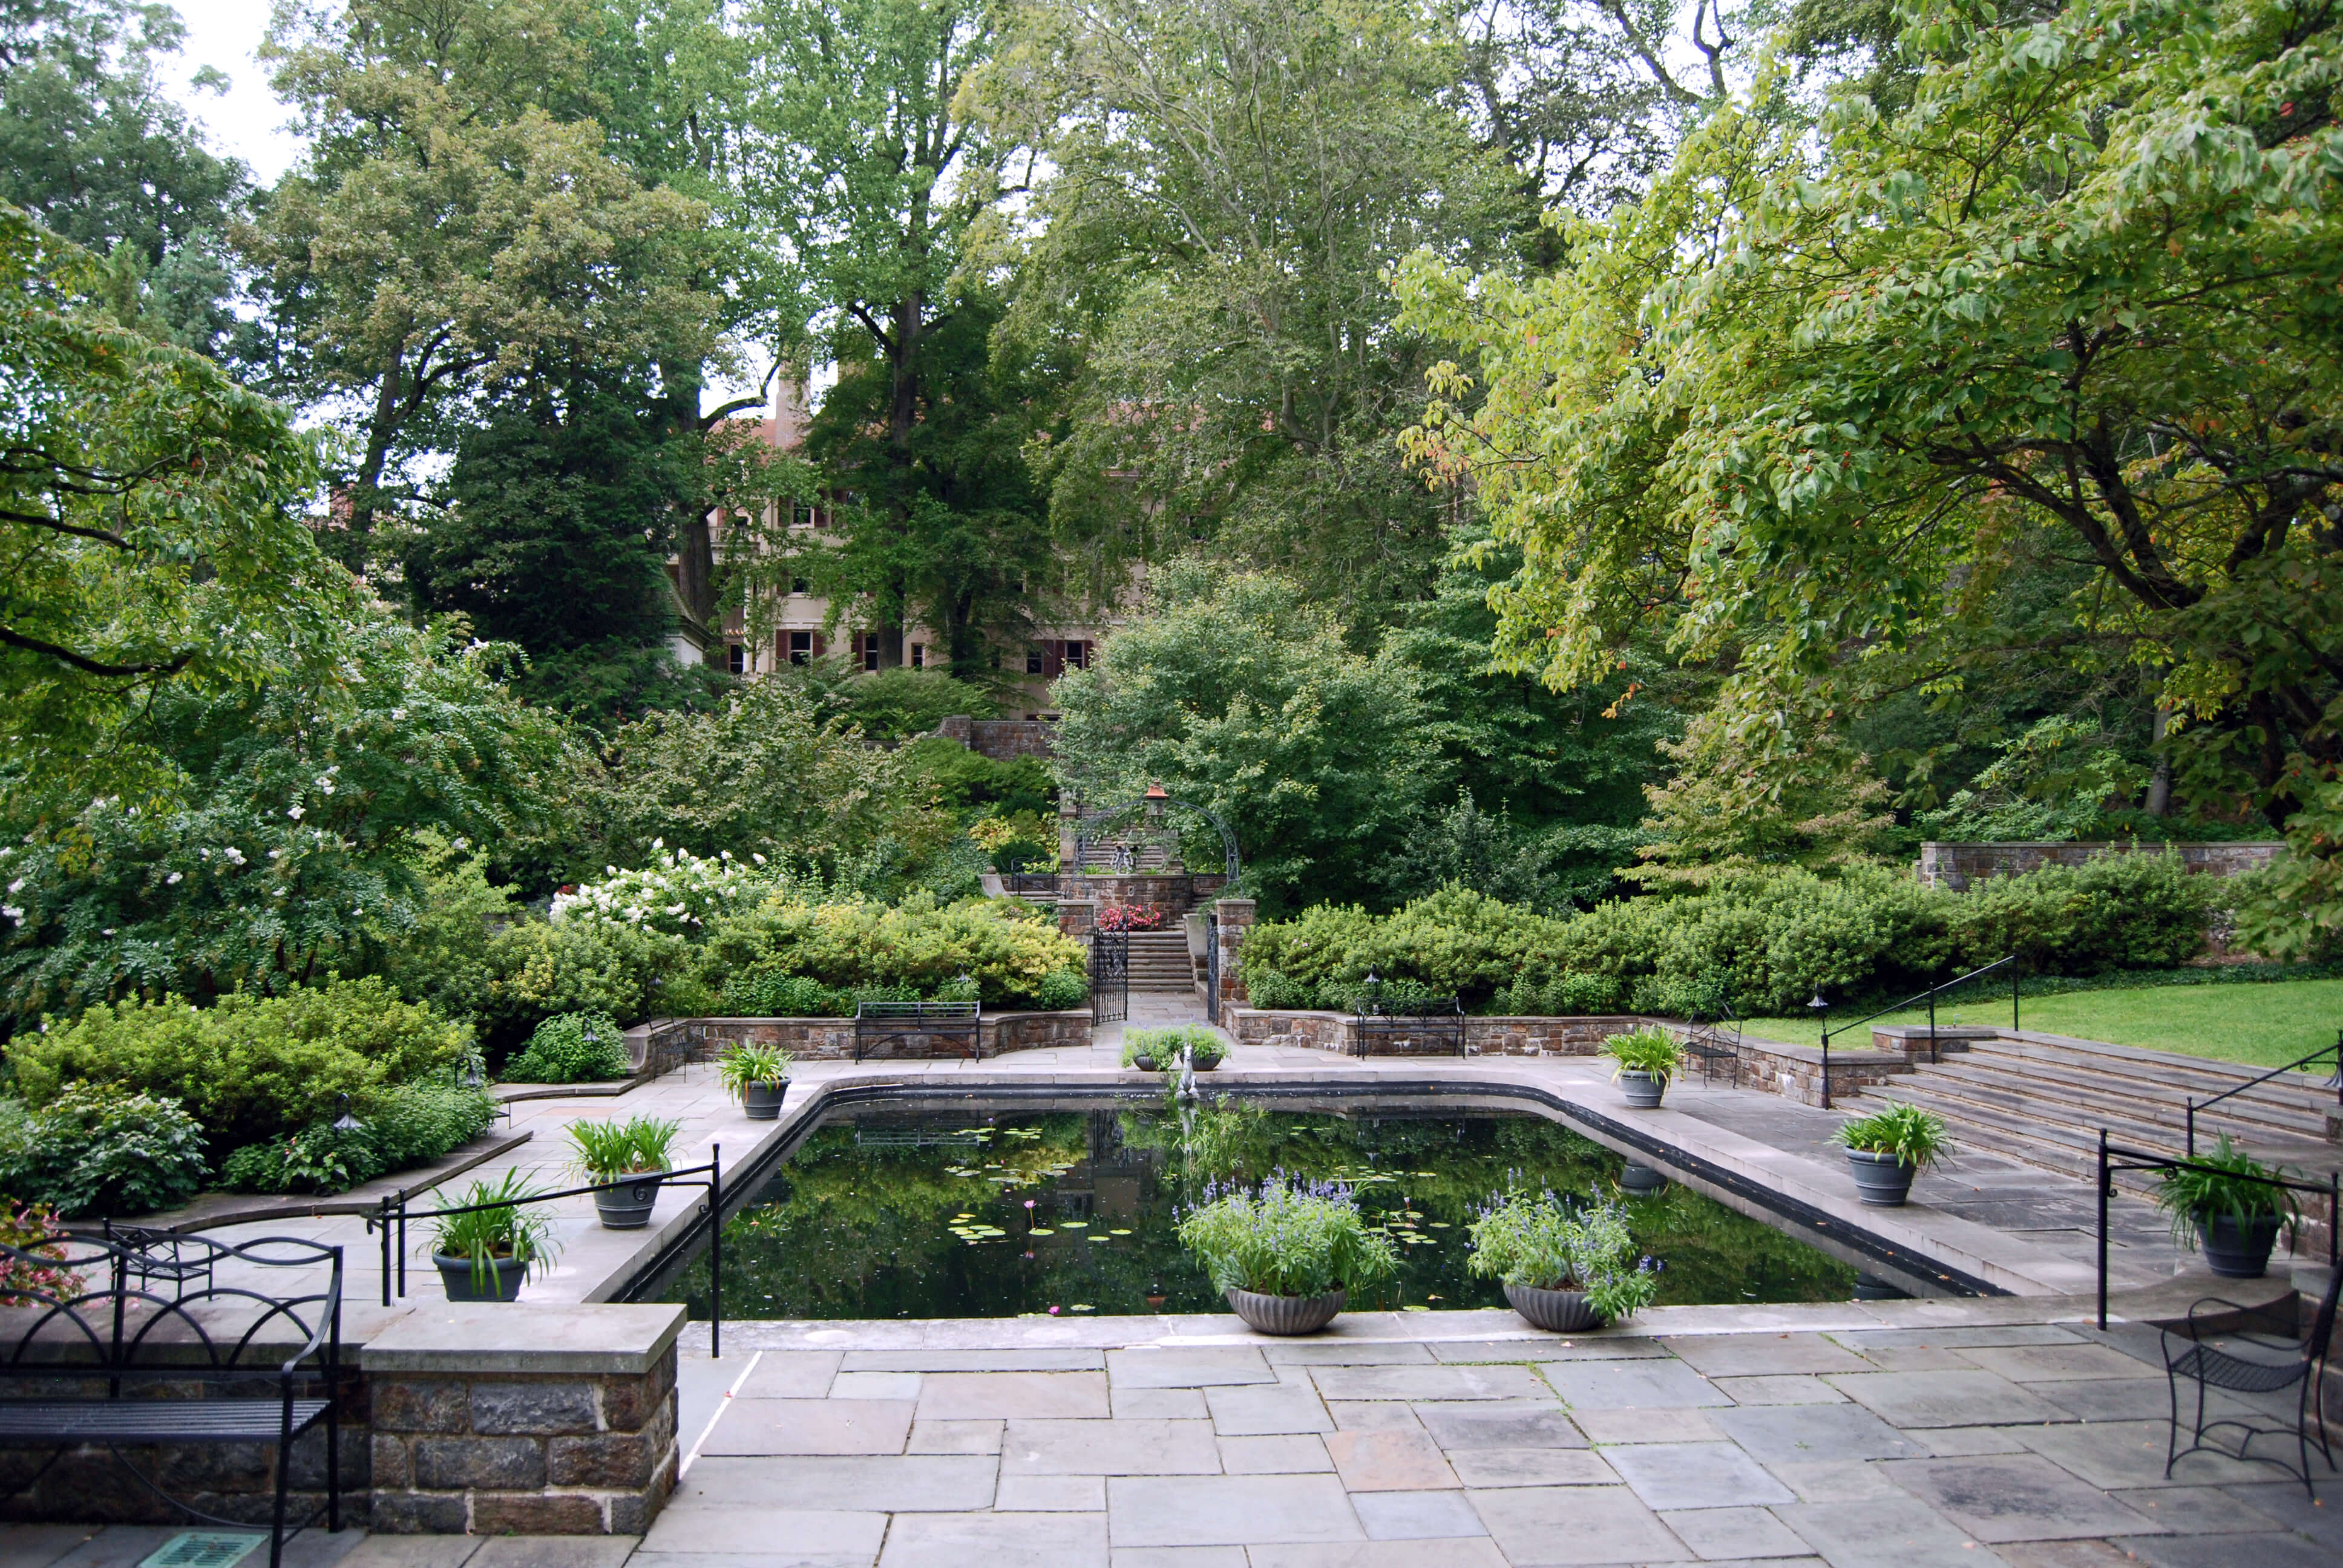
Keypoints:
(869, 649)
(798, 584)
(736, 659)
(801, 648)
(1032, 658)
(1077, 654)
(919, 656)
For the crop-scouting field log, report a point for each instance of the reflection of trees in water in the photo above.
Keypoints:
(868, 1229)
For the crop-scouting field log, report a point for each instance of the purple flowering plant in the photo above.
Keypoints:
(1553, 1243)
(1287, 1237)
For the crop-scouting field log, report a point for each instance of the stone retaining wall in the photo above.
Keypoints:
(505, 1419)
(832, 1039)
(1956, 866)
(1002, 740)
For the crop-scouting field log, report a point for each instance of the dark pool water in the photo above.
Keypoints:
(970, 1214)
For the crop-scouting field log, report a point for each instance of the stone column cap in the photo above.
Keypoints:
(476, 1337)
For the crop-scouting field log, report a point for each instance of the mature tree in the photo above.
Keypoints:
(151, 516)
(92, 146)
(460, 222)
(860, 177)
(1237, 691)
(1796, 406)
(296, 835)
(1225, 186)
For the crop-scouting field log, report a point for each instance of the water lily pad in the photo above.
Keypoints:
(1041, 1231)
(1118, 1232)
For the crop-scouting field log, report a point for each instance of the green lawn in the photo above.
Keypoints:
(2261, 1024)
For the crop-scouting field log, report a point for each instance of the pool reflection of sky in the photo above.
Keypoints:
(964, 1214)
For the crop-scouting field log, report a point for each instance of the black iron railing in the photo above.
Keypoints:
(391, 1221)
(2113, 1157)
(1928, 996)
(2324, 1051)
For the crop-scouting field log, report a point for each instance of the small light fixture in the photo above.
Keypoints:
(1156, 800)
(1818, 1004)
(346, 1122)
(473, 1077)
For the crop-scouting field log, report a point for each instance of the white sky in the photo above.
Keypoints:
(247, 122)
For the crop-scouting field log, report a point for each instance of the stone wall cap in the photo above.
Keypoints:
(1944, 1030)
(487, 1337)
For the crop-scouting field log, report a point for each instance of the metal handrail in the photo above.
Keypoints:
(394, 1214)
(2147, 1162)
(1928, 996)
(2334, 1082)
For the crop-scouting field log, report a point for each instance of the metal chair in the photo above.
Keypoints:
(2243, 1361)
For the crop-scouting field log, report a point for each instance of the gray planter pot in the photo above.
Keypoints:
(762, 1101)
(1285, 1314)
(2236, 1251)
(1208, 1063)
(1881, 1180)
(500, 1282)
(1556, 1312)
(1643, 1090)
(1642, 1180)
(629, 1208)
(1143, 1063)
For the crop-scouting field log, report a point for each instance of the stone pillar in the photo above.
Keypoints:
(502, 1418)
(1232, 916)
(1069, 832)
(1077, 916)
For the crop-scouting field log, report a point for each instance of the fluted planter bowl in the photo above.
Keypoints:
(2236, 1251)
(1556, 1312)
(1643, 1090)
(762, 1101)
(1285, 1314)
(629, 1208)
(501, 1281)
(1881, 1180)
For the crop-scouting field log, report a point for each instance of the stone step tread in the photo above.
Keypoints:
(2032, 1127)
(2111, 1062)
(2030, 1089)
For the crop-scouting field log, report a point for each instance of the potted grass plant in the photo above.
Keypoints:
(757, 1076)
(1158, 1049)
(2227, 1202)
(639, 1153)
(1647, 1060)
(484, 1252)
(1139, 1047)
(1566, 1268)
(1286, 1255)
(1887, 1149)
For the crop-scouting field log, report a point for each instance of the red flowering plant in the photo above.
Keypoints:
(33, 1228)
(1128, 918)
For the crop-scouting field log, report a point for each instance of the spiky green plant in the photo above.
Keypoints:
(1915, 1136)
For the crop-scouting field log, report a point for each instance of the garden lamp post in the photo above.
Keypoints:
(1822, 1020)
(1158, 799)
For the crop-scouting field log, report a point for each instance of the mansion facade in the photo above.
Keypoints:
(803, 628)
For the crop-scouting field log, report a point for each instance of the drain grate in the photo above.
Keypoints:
(203, 1549)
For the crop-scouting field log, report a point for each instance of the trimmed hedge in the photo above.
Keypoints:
(249, 1068)
(572, 1048)
(1757, 943)
(860, 948)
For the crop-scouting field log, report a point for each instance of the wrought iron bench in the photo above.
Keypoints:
(1708, 1044)
(954, 1022)
(1438, 1021)
(2250, 1363)
(104, 1361)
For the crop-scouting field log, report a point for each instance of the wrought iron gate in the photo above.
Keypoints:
(1110, 977)
(1211, 968)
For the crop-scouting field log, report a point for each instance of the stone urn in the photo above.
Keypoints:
(1285, 1314)
(762, 1101)
(2236, 1251)
(1881, 1180)
(1643, 1090)
(629, 1208)
(1641, 1179)
(499, 1281)
(1556, 1312)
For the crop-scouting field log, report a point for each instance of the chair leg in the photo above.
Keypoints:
(2172, 1444)
(276, 1527)
(334, 1459)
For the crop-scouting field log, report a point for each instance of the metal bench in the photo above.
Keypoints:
(1438, 1021)
(1708, 1044)
(954, 1022)
(106, 1360)
(2251, 1362)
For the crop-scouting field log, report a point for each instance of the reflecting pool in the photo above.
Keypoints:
(1008, 1211)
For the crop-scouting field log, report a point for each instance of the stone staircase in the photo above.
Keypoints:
(1159, 962)
(2043, 1099)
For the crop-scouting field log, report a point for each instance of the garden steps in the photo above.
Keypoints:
(1159, 962)
(2044, 1098)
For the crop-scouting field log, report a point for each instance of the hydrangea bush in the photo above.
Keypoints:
(678, 893)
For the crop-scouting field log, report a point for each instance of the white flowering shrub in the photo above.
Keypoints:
(678, 893)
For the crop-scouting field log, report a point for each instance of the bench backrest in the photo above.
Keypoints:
(1431, 1007)
(946, 1013)
(154, 1306)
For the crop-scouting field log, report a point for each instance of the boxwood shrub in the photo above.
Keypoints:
(1756, 944)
